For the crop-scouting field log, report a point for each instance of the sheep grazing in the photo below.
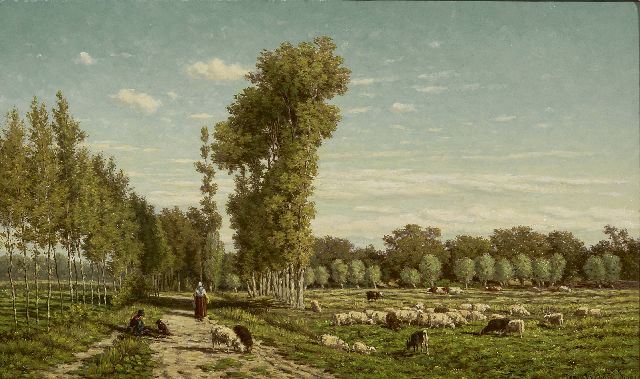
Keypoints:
(481, 307)
(315, 306)
(495, 325)
(245, 337)
(361, 348)
(221, 335)
(594, 312)
(554, 318)
(515, 326)
(419, 307)
(440, 320)
(333, 342)
(518, 310)
(341, 319)
(457, 318)
(359, 318)
(378, 317)
(442, 309)
(374, 295)
(584, 311)
(455, 291)
(476, 316)
(466, 307)
(496, 315)
(429, 310)
(392, 321)
(564, 289)
(419, 339)
(407, 315)
(465, 314)
(493, 288)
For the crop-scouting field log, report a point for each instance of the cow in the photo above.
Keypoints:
(419, 339)
(496, 325)
(373, 295)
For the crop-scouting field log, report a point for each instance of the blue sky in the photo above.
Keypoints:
(467, 116)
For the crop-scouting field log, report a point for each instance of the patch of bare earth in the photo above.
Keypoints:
(189, 353)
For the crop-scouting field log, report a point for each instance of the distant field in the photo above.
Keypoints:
(606, 346)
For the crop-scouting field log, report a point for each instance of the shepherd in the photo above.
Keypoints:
(200, 301)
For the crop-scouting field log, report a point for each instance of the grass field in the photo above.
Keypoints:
(592, 347)
(26, 351)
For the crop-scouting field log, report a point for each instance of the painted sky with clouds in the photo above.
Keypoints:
(468, 116)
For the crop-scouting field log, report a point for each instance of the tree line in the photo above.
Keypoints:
(415, 255)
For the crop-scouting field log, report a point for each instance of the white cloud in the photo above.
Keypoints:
(504, 118)
(84, 58)
(359, 110)
(150, 149)
(439, 75)
(430, 89)
(542, 125)
(200, 116)
(182, 160)
(402, 108)
(399, 127)
(172, 95)
(435, 44)
(217, 70)
(435, 130)
(471, 87)
(123, 55)
(140, 100)
(110, 145)
(531, 155)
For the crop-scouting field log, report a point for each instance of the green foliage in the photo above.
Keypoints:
(570, 248)
(309, 276)
(504, 270)
(624, 246)
(321, 276)
(557, 264)
(594, 269)
(373, 275)
(410, 276)
(485, 268)
(128, 357)
(232, 281)
(339, 272)
(464, 270)
(136, 287)
(407, 246)
(519, 240)
(541, 270)
(356, 272)
(431, 269)
(522, 267)
(612, 267)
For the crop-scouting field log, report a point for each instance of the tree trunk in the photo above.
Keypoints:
(68, 247)
(26, 282)
(84, 289)
(9, 249)
(75, 272)
(35, 278)
(104, 281)
(49, 285)
(301, 288)
(55, 262)
(91, 281)
(253, 283)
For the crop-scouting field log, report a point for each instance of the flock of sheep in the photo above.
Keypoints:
(438, 316)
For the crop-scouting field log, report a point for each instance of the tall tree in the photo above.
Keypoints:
(521, 267)
(373, 275)
(464, 246)
(464, 270)
(410, 276)
(624, 246)
(485, 268)
(339, 271)
(271, 141)
(68, 136)
(504, 271)
(612, 267)
(594, 269)
(14, 188)
(356, 272)
(557, 265)
(519, 240)
(541, 270)
(431, 269)
(407, 246)
(322, 276)
(570, 248)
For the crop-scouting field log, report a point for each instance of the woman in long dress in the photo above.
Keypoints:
(200, 300)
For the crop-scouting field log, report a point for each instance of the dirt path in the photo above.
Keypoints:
(64, 370)
(190, 354)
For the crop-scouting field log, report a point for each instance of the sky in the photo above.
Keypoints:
(465, 116)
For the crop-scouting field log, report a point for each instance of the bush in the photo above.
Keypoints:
(135, 287)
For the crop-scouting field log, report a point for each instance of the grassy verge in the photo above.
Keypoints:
(26, 352)
(128, 357)
(607, 346)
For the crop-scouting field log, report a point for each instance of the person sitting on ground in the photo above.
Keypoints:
(136, 325)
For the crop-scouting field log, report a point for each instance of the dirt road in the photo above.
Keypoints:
(190, 354)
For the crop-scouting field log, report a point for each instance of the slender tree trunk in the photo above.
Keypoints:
(75, 272)
(35, 278)
(301, 287)
(253, 283)
(26, 281)
(91, 281)
(104, 281)
(84, 284)
(55, 262)
(9, 248)
(68, 247)
(49, 285)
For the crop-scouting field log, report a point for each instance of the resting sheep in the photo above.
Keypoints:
(466, 307)
(315, 306)
(419, 339)
(476, 316)
(440, 320)
(361, 348)
(515, 326)
(554, 318)
(333, 342)
(496, 315)
(378, 317)
(457, 318)
(455, 291)
(221, 335)
(518, 310)
(341, 319)
(584, 311)
(481, 307)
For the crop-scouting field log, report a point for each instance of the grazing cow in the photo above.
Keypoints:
(245, 336)
(393, 322)
(419, 339)
(493, 288)
(373, 295)
(162, 327)
(496, 325)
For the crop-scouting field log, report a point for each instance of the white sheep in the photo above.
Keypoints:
(333, 342)
(585, 311)
(359, 318)
(457, 318)
(477, 316)
(455, 291)
(361, 348)
(221, 335)
(554, 318)
(379, 317)
(437, 320)
(564, 289)
(515, 326)
(466, 307)
(518, 310)
(496, 316)
(419, 307)
(315, 306)
(464, 313)
(341, 319)
(594, 312)
(407, 316)
(481, 307)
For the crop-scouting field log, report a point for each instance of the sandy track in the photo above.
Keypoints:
(189, 350)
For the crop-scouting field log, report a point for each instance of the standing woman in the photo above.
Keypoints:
(200, 299)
